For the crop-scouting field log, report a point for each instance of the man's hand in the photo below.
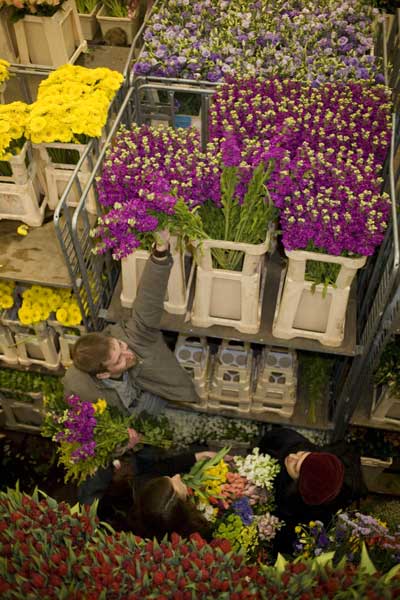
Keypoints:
(134, 438)
(204, 455)
(162, 239)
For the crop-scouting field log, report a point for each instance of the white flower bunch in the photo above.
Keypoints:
(267, 526)
(260, 469)
(209, 511)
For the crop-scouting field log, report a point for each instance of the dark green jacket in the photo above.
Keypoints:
(157, 369)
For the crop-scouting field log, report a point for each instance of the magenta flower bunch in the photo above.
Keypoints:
(329, 142)
(154, 176)
(318, 41)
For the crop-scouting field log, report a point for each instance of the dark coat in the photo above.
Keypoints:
(290, 506)
(157, 369)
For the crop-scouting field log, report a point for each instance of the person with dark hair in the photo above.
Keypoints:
(129, 364)
(161, 503)
(314, 481)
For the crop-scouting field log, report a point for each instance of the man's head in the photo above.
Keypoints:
(102, 356)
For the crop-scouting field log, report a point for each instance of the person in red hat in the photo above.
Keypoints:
(314, 482)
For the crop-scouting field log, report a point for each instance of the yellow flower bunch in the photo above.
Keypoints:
(4, 74)
(69, 313)
(38, 302)
(217, 477)
(72, 103)
(100, 406)
(13, 124)
(6, 294)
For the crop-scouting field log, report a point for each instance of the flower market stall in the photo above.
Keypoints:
(265, 137)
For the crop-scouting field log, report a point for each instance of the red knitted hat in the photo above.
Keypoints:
(321, 478)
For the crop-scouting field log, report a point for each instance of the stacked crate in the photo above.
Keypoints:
(25, 414)
(276, 383)
(193, 354)
(35, 344)
(8, 351)
(385, 407)
(232, 376)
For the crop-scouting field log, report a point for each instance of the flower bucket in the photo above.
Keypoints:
(309, 311)
(89, 23)
(385, 407)
(8, 352)
(230, 298)
(179, 283)
(58, 174)
(51, 41)
(129, 25)
(23, 202)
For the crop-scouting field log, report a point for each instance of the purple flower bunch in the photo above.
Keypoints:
(148, 169)
(243, 508)
(79, 428)
(207, 40)
(328, 145)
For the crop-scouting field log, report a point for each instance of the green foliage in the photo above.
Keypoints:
(247, 222)
(198, 473)
(115, 8)
(388, 372)
(85, 7)
(315, 374)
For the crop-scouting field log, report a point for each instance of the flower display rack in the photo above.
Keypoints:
(23, 202)
(193, 354)
(275, 387)
(89, 23)
(230, 298)
(232, 378)
(19, 415)
(51, 41)
(8, 351)
(129, 25)
(385, 407)
(315, 312)
(179, 283)
(58, 174)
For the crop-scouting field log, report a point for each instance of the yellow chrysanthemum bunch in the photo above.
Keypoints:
(4, 73)
(38, 302)
(6, 294)
(69, 313)
(100, 406)
(72, 104)
(13, 124)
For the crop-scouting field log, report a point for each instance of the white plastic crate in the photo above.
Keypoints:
(275, 376)
(372, 468)
(23, 202)
(179, 283)
(193, 354)
(280, 399)
(22, 416)
(58, 174)
(280, 359)
(67, 338)
(232, 375)
(38, 349)
(231, 298)
(8, 351)
(129, 25)
(385, 407)
(54, 40)
(21, 166)
(318, 313)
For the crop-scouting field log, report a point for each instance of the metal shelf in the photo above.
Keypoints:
(276, 265)
(34, 258)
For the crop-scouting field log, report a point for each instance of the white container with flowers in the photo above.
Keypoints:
(21, 195)
(72, 107)
(48, 33)
(87, 11)
(315, 310)
(119, 14)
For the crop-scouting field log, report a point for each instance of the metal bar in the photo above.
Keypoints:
(384, 313)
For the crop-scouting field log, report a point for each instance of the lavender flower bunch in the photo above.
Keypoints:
(207, 40)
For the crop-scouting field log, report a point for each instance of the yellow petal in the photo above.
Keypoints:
(23, 230)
